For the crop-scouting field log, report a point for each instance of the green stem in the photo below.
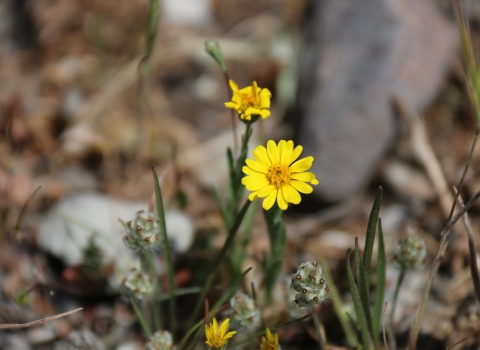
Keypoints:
(157, 311)
(311, 308)
(218, 262)
(166, 251)
(338, 305)
(140, 317)
(401, 278)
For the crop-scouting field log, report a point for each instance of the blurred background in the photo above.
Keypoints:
(374, 90)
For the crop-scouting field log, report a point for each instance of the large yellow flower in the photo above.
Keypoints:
(250, 101)
(273, 176)
(217, 338)
(270, 342)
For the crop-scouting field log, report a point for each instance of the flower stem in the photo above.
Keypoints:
(140, 317)
(401, 277)
(316, 322)
(166, 251)
(415, 330)
(218, 262)
(157, 311)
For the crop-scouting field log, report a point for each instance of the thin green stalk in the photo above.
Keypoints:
(400, 279)
(140, 317)
(166, 251)
(467, 165)
(157, 311)
(338, 305)
(218, 262)
(415, 330)
(311, 308)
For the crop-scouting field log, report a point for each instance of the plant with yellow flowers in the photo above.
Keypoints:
(276, 175)
(269, 341)
(250, 102)
(217, 337)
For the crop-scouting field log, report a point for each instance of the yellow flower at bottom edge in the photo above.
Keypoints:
(276, 175)
(217, 338)
(270, 342)
(250, 101)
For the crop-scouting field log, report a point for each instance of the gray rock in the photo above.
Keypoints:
(357, 57)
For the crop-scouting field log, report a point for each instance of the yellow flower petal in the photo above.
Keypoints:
(253, 111)
(282, 203)
(254, 184)
(264, 192)
(264, 113)
(295, 154)
(272, 151)
(233, 85)
(286, 153)
(270, 200)
(252, 196)
(301, 187)
(305, 177)
(261, 168)
(265, 95)
(231, 105)
(314, 182)
(301, 165)
(250, 171)
(260, 154)
(291, 195)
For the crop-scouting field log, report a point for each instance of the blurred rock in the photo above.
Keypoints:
(80, 340)
(407, 181)
(196, 12)
(357, 57)
(68, 227)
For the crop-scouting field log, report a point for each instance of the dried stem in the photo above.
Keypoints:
(415, 330)
(38, 322)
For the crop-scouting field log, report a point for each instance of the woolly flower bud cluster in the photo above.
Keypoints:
(143, 232)
(410, 253)
(245, 310)
(310, 285)
(160, 340)
(137, 284)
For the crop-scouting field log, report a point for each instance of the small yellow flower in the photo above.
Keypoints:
(270, 342)
(250, 101)
(217, 338)
(273, 176)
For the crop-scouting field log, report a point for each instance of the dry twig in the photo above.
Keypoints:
(38, 322)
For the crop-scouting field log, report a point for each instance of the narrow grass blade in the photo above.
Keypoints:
(357, 302)
(472, 250)
(218, 261)
(166, 250)
(371, 228)
(363, 286)
(380, 287)
(16, 230)
(338, 305)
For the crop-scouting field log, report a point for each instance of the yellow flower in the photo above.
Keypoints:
(217, 338)
(270, 342)
(250, 101)
(273, 176)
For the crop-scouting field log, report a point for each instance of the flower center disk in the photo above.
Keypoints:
(279, 175)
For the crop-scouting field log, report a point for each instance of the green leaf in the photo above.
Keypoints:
(361, 319)
(380, 287)
(338, 305)
(363, 287)
(371, 228)
(166, 249)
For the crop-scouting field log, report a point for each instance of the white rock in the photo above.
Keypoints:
(191, 12)
(69, 225)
